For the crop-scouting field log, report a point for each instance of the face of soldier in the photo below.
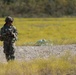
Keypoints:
(9, 23)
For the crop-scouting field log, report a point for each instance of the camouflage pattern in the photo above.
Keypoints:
(8, 36)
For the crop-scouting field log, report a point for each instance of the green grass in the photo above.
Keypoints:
(64, 65)
(57, 30)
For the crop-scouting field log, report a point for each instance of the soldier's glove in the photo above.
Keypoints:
(8, 33)
(12, 34)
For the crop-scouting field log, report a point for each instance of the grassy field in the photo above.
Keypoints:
(56, 30)
(64, 65)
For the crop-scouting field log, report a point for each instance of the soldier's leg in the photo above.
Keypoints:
(6, 51)
(7, 57)
(12, 51)
(12, 57)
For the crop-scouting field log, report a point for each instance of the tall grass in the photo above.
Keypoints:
(57, 30)
(64, 65)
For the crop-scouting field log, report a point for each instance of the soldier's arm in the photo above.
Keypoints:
(15, 33)
(2, 33)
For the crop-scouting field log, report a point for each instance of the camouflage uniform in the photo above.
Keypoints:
(9, 36)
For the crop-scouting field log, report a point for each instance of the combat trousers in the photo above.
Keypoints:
(9, 50)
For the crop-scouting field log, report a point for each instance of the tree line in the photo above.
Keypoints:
(37, 8)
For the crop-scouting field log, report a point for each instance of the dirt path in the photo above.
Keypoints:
(33, 52)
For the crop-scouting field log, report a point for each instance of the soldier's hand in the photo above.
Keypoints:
(13, 34)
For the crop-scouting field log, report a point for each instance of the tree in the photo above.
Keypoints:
(8, 1)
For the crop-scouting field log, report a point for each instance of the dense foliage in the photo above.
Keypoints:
(38, 8)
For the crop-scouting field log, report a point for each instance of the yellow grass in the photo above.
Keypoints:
(57, 30)
(64, 65)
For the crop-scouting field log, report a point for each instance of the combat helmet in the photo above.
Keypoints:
(9, 19)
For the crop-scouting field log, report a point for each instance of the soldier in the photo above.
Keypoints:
(8, 36)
